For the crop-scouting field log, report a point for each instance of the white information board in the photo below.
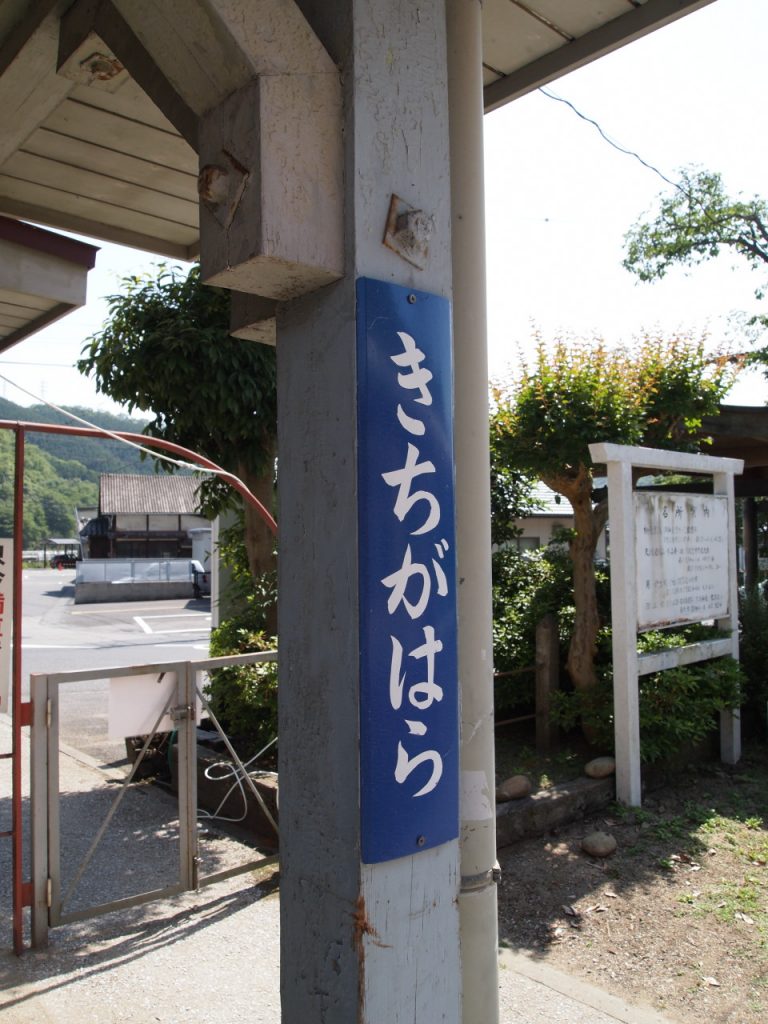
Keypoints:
(6, 621)
(681, 556)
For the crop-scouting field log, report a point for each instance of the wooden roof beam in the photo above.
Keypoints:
(30, 89)
(97, 45)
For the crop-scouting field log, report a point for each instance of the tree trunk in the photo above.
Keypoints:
(586, 621)
(260, 543)
(588, 523)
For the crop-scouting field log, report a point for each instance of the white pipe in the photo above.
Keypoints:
(477, 901)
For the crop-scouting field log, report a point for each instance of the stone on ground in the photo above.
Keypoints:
(514, 788)
(600, 767)
(599, 844)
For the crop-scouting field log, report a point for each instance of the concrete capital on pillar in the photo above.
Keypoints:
(253, 318)
(271, 187)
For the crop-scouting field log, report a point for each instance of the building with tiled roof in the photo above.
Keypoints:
(143, 516)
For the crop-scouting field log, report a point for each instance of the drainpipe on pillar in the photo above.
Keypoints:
(479, 873)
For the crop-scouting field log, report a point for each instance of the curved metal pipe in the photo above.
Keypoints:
(148, 441)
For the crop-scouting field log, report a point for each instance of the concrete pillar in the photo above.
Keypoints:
(478, 903)
(363, 939)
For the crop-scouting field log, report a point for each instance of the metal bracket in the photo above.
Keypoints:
(26, 710)
(408, 232)
(221, 187)
(181, 713)
(476, 883)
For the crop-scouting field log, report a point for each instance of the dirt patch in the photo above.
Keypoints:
(677, 918)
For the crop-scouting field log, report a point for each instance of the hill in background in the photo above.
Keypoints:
(61, 471)
(95, 456)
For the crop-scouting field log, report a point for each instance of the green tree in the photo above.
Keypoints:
(512, 498)
(577, 394)
(697, 222)
(166, 351)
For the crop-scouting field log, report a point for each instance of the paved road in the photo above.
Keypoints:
(59, 636)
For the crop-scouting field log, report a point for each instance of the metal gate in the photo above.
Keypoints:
(180, 691)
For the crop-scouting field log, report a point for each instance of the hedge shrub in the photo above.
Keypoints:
(677, 707)
(244, 697)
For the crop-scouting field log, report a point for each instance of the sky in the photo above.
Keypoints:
(559, 201)
(560, 198)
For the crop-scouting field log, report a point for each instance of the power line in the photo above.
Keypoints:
(611, 142)
(686, 193)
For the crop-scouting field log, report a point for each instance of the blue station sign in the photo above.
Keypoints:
(409, 714)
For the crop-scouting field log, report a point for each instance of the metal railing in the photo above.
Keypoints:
(134, 570)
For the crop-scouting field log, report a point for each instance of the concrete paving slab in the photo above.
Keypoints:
(531, 991)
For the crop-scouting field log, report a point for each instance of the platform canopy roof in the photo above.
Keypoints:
(100, 99)
(42, 277)
(527, 43)
(741, 432)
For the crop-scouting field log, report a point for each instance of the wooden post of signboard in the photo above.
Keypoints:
(626, 703)
(730, 719)
(547, 681)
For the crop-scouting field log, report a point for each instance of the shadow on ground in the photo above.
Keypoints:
(670, 835)
(90, 949)
(139, 851)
